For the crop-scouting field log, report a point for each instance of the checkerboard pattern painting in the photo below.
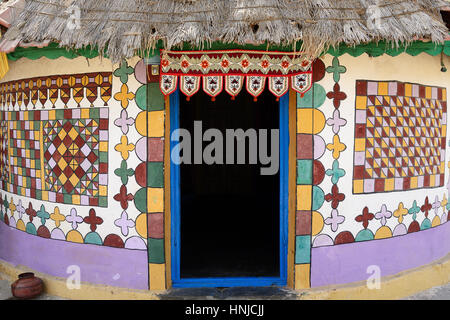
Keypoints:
(400, 134)
(58, 155)
(24, 153)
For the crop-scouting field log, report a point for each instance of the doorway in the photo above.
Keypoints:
(229, 222)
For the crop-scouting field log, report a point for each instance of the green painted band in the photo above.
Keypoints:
(53, 51)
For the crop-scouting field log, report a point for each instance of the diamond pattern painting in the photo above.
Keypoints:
(75, 155)
(400, 133)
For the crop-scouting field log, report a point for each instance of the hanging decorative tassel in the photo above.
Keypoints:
(232, 70)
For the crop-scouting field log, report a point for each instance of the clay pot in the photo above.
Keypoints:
(27, 286)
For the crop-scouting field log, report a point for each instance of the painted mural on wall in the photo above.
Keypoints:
(58, 156)
(72, 147)
(399, 144)
(57, 143)
(399, 136)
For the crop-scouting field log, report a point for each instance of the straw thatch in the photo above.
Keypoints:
(124, 26)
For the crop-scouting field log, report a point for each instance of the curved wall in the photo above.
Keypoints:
(69, 163)
(384, 197)
(361, 199)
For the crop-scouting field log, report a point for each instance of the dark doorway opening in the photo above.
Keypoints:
(229, 213)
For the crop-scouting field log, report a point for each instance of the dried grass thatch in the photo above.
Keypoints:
(124, 26)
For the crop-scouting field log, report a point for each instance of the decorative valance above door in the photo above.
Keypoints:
(232, 70)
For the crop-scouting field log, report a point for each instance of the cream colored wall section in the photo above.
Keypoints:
(422, 69)
(27, 68)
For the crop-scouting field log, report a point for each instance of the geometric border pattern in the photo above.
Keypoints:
(149, 174)
(310, 121)
(400, 136)
(47, 90)
(334, 172)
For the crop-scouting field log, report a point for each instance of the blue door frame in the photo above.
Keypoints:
(178, 282)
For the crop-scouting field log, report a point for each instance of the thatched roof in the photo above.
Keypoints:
(124, 26)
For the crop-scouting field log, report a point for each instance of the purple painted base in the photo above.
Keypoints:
(348, 263)
(126, 268)
(98, 264)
